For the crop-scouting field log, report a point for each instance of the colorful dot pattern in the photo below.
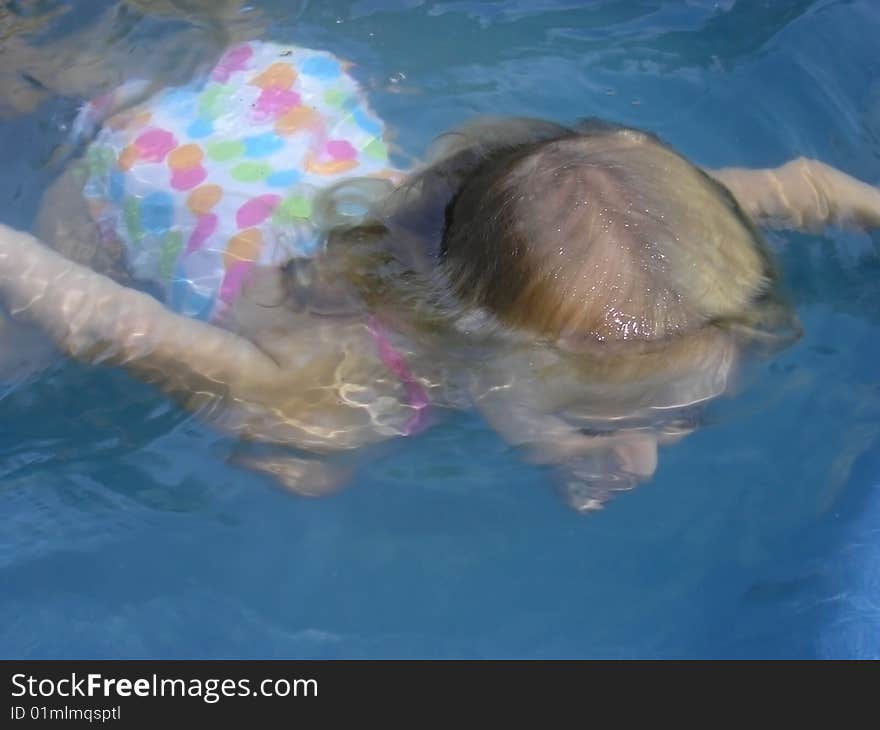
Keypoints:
(201, 183)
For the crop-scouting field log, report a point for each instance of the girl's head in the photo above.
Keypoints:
(605, 236)
(600, 239)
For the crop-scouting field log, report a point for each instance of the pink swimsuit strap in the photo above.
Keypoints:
(417, 396)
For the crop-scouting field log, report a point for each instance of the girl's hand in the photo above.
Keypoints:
(803, 194)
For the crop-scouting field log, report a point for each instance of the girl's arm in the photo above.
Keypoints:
(802, 194)
(94, 319)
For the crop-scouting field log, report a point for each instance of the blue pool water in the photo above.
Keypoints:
(124, 533)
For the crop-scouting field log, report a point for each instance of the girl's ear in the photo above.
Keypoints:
(332, 290)
(264, 286)
(264, 302)
(272, 295)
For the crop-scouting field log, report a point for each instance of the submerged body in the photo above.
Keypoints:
(586, 288)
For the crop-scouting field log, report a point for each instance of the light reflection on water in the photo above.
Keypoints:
(125, 533)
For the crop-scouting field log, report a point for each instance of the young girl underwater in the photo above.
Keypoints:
(586, 288)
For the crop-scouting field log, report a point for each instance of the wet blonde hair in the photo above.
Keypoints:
(607, 236)
(599, 238)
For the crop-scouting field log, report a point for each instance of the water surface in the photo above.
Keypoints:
(126, 534)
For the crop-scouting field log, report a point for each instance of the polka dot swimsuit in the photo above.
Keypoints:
(200, 183)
